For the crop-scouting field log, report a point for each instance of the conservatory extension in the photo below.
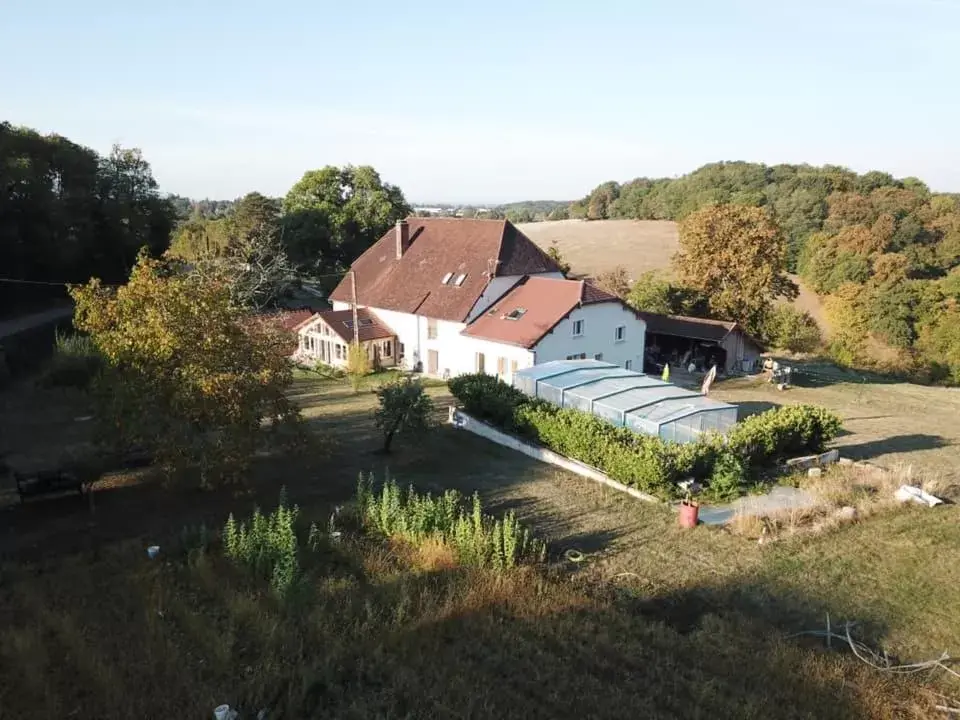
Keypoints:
(626, 398)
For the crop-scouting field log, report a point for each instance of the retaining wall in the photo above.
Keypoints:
(459, 419)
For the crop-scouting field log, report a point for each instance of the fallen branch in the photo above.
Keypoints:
(874, 659)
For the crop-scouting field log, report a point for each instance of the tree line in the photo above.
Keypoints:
(68, 213)
(883, 253)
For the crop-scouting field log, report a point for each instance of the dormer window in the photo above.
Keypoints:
(515, 314)
(446, 279)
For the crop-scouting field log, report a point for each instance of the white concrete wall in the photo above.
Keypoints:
(497, 287)
(464, 357)
(461, 420)
(600, 322)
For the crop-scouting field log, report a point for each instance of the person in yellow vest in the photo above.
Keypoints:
(666, 373)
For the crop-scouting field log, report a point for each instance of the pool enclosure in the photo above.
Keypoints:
(626, 398)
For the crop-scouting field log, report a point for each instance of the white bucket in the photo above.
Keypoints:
(152, 552)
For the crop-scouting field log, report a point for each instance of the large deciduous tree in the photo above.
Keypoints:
(67, 213)
(333, 214)
(189, 376)
(735, 255)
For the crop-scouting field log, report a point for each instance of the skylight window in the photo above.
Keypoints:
(446, 279)
(516, 314)
(460, 278)
(364, 322)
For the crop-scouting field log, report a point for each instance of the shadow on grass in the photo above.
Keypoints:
(896, 444)
(822, 372)
(559, 653)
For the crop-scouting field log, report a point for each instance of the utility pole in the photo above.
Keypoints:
(356, 322)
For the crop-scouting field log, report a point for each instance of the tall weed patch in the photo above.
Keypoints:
(476, 538)
(266, 545)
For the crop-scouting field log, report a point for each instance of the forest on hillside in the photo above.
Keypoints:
(883, 252)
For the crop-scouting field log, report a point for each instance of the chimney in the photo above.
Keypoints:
(403, 238)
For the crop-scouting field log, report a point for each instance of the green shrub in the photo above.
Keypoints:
(726, 478)
(266, 545)
(75, 362)
(763, 439)
(643, 461)
(487, 398)
(477, 539)
(790, 329)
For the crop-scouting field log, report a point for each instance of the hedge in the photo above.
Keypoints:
(644, 461)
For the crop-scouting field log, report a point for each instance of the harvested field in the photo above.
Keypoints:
(639, 245)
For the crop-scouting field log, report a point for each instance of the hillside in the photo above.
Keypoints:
(639, 245)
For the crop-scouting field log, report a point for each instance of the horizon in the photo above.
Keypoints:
(493, 106)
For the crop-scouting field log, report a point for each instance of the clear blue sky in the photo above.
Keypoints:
(493, 102)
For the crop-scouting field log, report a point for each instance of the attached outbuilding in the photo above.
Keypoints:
(326, 337)
(678, 340)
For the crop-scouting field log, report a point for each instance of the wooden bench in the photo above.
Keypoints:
(47, 482)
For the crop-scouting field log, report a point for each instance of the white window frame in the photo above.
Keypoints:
(432, 329)
(620, 334)
(578, 328)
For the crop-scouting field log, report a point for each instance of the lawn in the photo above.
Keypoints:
(655, 622)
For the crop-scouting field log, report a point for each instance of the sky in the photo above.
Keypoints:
(488, 102)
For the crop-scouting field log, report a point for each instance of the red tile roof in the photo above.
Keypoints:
(478, 249)
(545, 301)
(341, 322)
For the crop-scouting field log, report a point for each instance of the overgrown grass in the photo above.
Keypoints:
(477, 539)
(112, 635)
(76, 361)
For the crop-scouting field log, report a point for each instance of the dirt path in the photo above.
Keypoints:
(27, 322)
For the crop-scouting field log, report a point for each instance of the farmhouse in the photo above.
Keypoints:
(449, 296)
(680, 340)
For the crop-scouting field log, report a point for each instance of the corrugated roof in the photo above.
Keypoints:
(689, 327)
(656, 402)
(532, 308)
(438, 247)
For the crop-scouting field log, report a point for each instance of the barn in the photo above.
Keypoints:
(679, 341)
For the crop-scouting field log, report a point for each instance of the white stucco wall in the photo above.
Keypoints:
(496, 289)
(600, 322)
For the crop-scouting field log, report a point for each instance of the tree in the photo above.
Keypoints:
(333, 214)
(358, 365)
(189, 377)
(787, 328)
(615, 281)
(848, 326)
(404, 406)
(651, 293)
(67, 213)
(737, 257)
(554, 252)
